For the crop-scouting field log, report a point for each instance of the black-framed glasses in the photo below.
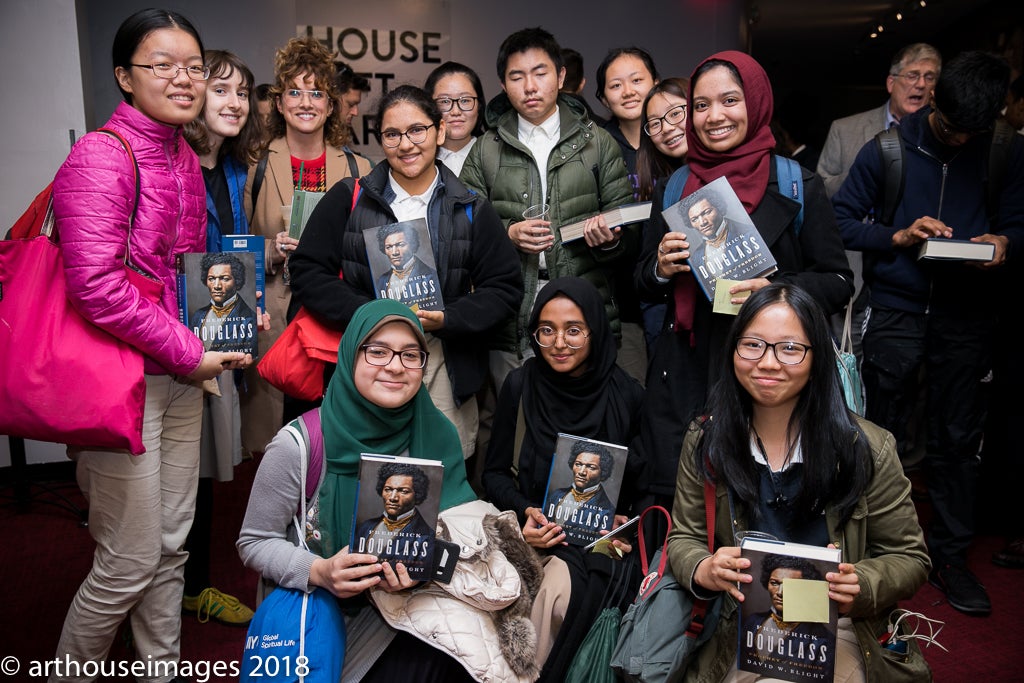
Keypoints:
(912, 77)
(574, 337)
(445, 104)
(786, 352)
(416, 135)
(412, 359)
(673, 117)
(295, 94)
(196, 72)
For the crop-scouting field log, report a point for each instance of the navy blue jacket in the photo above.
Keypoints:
(948, 184)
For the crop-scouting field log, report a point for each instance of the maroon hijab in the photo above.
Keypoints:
(746, 165)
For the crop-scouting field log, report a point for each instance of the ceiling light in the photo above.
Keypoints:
(874, 35)
(923, 3)
(880, 28)
(899, 16)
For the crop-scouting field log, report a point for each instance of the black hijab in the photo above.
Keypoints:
(593, 404)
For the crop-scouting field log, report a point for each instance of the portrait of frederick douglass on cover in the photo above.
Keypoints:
(710, 215)
(591, 465)
(226, 322)
(400, 244)
(400, 488)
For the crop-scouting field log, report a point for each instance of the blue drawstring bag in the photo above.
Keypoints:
(295, 637)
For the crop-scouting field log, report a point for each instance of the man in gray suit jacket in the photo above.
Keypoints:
(910, 83)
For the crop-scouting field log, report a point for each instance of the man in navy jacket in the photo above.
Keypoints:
(939, 315)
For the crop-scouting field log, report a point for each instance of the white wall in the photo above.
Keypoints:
(57, 75)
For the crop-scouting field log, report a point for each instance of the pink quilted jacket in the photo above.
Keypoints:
(93, 194)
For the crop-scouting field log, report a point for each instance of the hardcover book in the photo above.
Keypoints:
(583, 487)
(787, 623)
(217, 299)
(620, 215)
(255, 244)
(723, 241)
(303, 203)
(956, 250)
(401, 259)
(396, 511)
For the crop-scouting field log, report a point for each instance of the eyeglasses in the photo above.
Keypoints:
(912, 77)
(445, 104)
(196, 72)
(574, 337)
(294, 94)
(416, 135)
(786, 352)
(673, 117)
(413, 359)
(952, 133)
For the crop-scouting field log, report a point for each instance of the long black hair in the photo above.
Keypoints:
(134, 30)
(837, 464)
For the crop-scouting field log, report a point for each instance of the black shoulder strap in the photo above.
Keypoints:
(998, 162)
(257, 179)
(890, 148)
(353, 167)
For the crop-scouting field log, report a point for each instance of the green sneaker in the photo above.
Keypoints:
(224, 608)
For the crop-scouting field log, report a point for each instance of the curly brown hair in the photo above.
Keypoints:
(301, 57)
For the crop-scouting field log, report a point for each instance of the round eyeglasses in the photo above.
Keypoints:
(295, 95)
(786, 352)
(574, 337)
(196, 72)
(673, 117)
(445, 104)
(416, 135)
(912, 77)
(412, 359)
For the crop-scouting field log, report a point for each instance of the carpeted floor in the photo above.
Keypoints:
(46, 554)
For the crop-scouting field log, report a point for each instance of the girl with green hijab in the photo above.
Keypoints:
(367, 409)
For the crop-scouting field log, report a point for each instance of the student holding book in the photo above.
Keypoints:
(140, 507)
(227, 140)
(728, 135)
(481, 285)
(789, 459)
(574, 386)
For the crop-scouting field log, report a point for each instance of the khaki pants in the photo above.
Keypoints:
(465, 417)
(140, 511)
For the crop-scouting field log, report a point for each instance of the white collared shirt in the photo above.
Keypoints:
(455, 160)
(408, 207)
(540, 140)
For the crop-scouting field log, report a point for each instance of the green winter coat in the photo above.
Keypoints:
(882, 538)
(585, 175)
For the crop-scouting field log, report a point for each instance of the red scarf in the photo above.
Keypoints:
(747, 165)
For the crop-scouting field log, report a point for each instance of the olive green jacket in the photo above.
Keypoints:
(882, 538)
(585, 175)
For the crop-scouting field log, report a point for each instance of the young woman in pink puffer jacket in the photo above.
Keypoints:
(140, 507)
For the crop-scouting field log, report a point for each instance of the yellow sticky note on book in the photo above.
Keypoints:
(723, 299)
(805, 600)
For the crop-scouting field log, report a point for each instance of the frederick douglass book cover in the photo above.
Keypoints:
(787, 623)
(723, 241)
(583, 487)
(396, 511)
(402, 264)
(217, 299)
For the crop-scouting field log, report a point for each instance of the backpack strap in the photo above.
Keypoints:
(258, 176)
(998, 162)
(675, 185)
(890, 148)
(791, 184)
(311, 430)
(517, 445)
(353, 167)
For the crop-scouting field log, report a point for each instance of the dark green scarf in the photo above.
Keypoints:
(353, 425)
